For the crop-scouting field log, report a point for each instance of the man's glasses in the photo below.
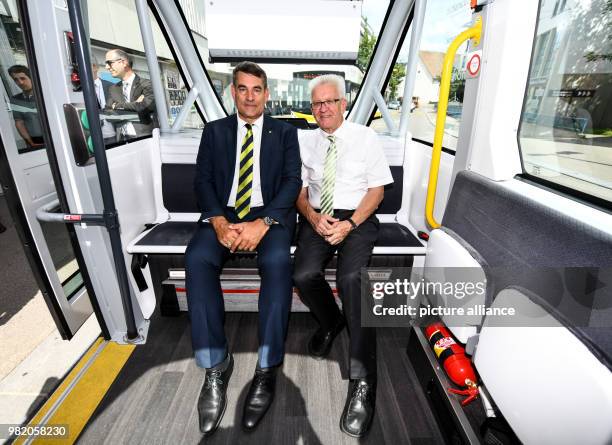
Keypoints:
(110, 62)
(327, 103)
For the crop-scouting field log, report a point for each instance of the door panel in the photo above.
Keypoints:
(29, 181)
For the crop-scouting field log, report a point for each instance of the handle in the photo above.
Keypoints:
(472, 33)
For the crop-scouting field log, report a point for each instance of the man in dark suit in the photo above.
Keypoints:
(133, 94)
(247, 180)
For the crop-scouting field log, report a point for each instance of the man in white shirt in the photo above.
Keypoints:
(344, 172)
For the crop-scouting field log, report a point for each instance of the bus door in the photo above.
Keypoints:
(30, 182)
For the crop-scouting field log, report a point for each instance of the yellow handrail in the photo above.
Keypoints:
(472, 33)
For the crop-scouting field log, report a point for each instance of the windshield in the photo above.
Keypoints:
(288, 82)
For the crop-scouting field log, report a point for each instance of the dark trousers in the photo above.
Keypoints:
(204, 260)
(354, 252)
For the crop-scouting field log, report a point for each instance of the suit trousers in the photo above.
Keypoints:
(354, 252)
(204, 260)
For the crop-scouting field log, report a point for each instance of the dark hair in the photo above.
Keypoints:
(249, 68)
(15, 69)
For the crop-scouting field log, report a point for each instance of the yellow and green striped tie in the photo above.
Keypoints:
(329, 178)
(245, 175)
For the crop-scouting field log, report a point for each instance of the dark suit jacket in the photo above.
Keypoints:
(145, 109)
(279, 163)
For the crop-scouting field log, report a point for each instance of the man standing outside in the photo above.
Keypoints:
(247, 181)
(25, 113)
(133, 94)
(344, 173)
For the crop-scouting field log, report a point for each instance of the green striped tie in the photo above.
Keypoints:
(245, 175)
(329, 178)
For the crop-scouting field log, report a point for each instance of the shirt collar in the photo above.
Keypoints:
(129, 79)
(258, 122)
(338, 134)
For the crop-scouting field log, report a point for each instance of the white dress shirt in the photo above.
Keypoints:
(256, 128)
(361, 164)
(128, 128)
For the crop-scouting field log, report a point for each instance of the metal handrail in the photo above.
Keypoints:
(472, 33)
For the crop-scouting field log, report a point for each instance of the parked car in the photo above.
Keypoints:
(394, 105)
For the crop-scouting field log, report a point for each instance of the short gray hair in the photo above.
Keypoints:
(333, 79)
(123, 55)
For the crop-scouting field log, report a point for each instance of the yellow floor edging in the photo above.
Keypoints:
(87, 393)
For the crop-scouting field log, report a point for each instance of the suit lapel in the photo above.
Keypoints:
(265, 152)
(135, 84)
(230, 151)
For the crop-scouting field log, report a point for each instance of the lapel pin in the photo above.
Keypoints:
(269, 131)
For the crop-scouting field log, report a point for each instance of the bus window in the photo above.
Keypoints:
(17, 82)
(444, 20)
(288, 83)
(566, 125)
(123, 81)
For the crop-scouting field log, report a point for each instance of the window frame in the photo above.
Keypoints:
(554, 187)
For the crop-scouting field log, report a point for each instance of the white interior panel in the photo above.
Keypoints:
(416, 178)
(443, 251)
(135, 168)
(547, 384)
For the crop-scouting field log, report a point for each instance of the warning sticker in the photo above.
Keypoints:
(473, 63)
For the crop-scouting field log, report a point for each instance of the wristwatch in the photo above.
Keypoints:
(352, 223)
(269, 221)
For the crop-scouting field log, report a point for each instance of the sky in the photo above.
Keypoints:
(444, 19)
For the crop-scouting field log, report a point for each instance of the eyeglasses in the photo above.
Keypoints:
(328, 103)
(110, 62)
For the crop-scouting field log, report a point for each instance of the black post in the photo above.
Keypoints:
(110, 212)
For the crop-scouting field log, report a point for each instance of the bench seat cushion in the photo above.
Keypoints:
(173, 236)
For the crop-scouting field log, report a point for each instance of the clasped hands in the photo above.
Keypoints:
(241, 236)
(331, 229)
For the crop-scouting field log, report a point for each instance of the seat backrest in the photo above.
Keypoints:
(179, 195)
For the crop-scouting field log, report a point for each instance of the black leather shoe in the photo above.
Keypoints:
(213, 400)
(359, 409)
(321, 342)
(259, 398)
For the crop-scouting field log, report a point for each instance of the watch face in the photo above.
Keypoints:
(268, 221)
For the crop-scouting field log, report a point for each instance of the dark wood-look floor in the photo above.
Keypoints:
(153, 401)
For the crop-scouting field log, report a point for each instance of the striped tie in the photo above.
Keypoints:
(245, 176)
(329, 178)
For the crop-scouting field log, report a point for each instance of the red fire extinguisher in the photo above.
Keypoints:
(451, 356)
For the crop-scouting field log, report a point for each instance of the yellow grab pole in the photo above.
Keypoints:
(472, 33)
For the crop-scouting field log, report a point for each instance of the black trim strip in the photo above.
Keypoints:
(288, 60)
(160, 23)
(430, 144)
(36, 262)
(567, 192)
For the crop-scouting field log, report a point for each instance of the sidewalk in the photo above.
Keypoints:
(27, 386)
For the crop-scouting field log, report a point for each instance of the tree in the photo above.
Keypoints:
(366, 46)
(457, 86)
(398, 73)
